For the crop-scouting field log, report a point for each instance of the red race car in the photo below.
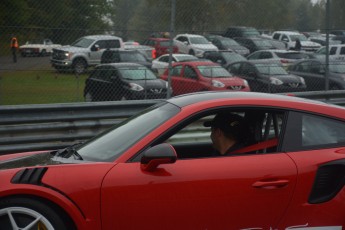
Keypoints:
(158, 170)
(195, 76)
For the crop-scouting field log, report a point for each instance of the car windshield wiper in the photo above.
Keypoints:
(69, 151)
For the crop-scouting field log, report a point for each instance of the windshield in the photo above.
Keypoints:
(262, 43)
(137, 73)
(232, 57)
(301, 37)
(337, 67)
(111, 144)
(213, 71)
(198, 40)
(83, 42)
(132, 57)
(270, 69)
(229, 42)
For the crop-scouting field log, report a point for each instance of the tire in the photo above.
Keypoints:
(191, 52)
(88, 97)
(26, 211)
(79, 66)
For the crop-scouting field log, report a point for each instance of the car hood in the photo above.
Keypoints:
(34, 159)
(229, 81)
(149, 84)
(287, 78)
(69, 48)
(207, 47)
(310, 43)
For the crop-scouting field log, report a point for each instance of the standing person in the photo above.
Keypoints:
(14, 48)
(298, 45)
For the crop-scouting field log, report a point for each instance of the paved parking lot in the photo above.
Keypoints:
(24, 63)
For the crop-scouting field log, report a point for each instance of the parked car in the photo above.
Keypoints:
(275, 43)
(84, 52)
(193, 44)
(322, 40)
(285, 57)
(141, 169)
(266, 76)
(335, 52)
(123, 55)
(188, 77)
(148, 51)
(38, 47)
(161, 45)
(290, 37)
(224, 57)
(241, 31)
(123, 81)
(313, 71)
(255, 43)
(337, 32)
(224, 43)
(161, 63)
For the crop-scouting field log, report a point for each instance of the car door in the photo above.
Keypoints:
(232, 192)
(316, 144)
(182, 44)
(96, 51)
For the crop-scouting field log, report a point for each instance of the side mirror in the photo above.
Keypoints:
(186, 43)
(95, 48)
(159, 154)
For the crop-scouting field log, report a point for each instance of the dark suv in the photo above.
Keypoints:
(241, 31)
(123, 55)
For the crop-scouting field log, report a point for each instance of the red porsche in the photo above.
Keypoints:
(156, 170)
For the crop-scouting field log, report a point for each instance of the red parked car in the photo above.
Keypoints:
(194, 76)
(161, 45)
(156, 170)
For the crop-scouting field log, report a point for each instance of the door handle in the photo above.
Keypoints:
(271, 184)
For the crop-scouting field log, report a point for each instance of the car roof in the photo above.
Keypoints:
(288, 32)
(192, 98)
(102, 36)
(122, 64)
(198, 63)
(189, 35)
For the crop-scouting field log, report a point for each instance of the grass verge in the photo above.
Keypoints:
(40, 87)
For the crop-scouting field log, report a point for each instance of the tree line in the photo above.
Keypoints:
(65, 20)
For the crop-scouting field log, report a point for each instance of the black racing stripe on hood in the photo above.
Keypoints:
(29, 176)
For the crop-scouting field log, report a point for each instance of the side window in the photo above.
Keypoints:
(106, 73)
(176, 71)
(261, 133)
(101, 44)
(255, 56)
(265, 55)
(333, 51)
(112, 44)
(308, 131)
(342, 50)
(276, 36)
(189, 72)
(164, 59)
(247, 69)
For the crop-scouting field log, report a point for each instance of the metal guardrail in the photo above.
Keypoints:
(53, 126)
(44, 127)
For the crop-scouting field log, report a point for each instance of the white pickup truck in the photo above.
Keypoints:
(336, 52)
(38, 47)
(290, 37)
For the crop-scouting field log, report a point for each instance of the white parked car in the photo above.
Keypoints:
(161, 63)
(290, 37)
(193, 44)
(285, 57)
(38, 47)
(336, 52)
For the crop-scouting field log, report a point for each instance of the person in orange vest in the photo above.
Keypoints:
(14, 48)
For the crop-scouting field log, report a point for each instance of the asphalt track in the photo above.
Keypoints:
(24, 63)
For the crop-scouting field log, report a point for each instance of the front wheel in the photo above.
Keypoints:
(25, 213)
(79, 66)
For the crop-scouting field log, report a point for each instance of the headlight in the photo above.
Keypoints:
(217, 84)
(275, 81)
(135, 87)
(245, 83)
(198, 52)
